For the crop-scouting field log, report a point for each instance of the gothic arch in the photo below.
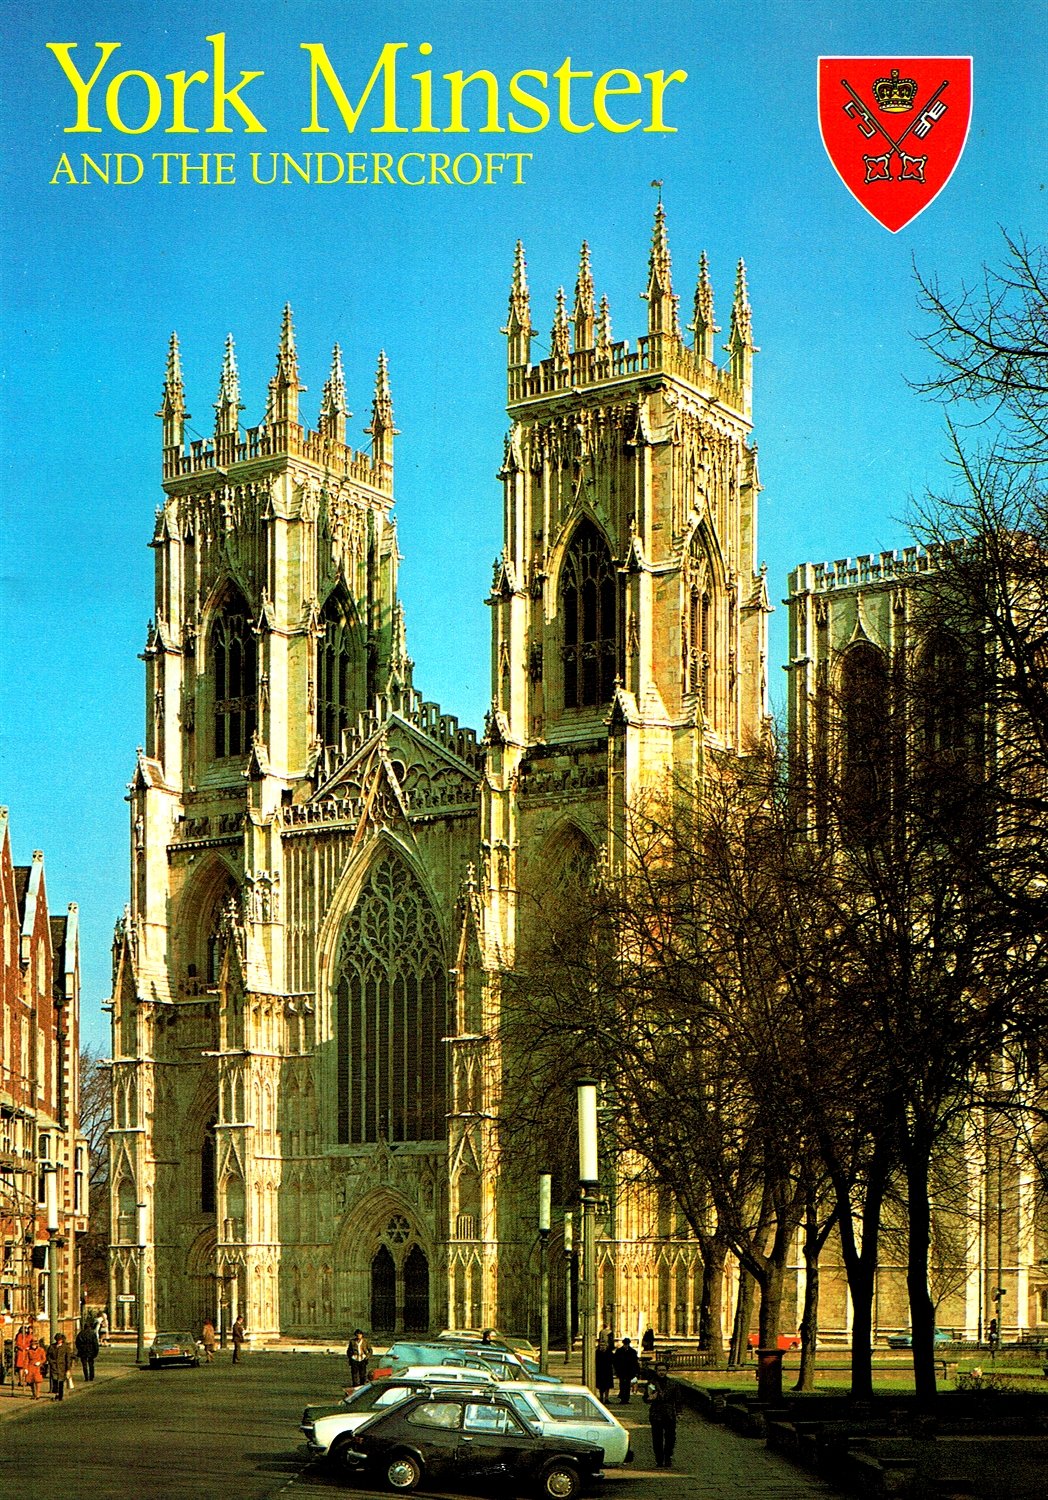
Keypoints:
(387, 1008)
(229, 660)
(383, 1227)
(588, 610)
(197, 916)
(863, 682)
(706, 634)
(341, 663)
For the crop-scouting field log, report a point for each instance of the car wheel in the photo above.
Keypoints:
(560, 1482)
(339, 1454)
(403, 1473)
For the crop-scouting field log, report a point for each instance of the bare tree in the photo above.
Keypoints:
(95, 1121)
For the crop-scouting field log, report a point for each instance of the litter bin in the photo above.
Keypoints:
(769, 1374)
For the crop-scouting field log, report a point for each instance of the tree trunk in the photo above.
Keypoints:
(922, 1309)
(711, 1322)
(813, 1242)
(743, 1318)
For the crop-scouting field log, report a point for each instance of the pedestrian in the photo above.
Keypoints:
(87, 1349)
(358, 1352)
(207, 1338)
(22, 1341)
(627, 1367)
(237, 1335)
(605, 1377)
(102, 1327)
(662, 1414)
(647, 1343)
(35, 1361)
(59, 1360)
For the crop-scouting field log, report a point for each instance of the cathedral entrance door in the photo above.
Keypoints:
(383, 1292)
(416, 1291)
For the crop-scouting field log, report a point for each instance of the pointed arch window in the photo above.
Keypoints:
(699, 628)
(865, 739)
(334, 672)
(207, 1168)
(390, 1013)
(234, 658)
(589, 611)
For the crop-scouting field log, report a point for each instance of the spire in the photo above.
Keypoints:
(702, 321)
(381, 429)
(518, 323)
(583, 314)
(559, 346)
(333, 408)
(662, 304)
(284, 387)
(228, 406)
(604, 334)
(172, 411)
(741, 347)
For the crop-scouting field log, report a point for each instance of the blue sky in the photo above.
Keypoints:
(96, 277)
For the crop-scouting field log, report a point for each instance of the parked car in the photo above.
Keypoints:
(514, 1341)
(573, 1411)
(503, 1363)
(785, 1341)
(327, 1427)
(905, 1340)
(402, 1356)
(450, 1436)
(173, 1349)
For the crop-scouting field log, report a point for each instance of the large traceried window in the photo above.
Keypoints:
(865, 740)
(589, 611)
(234, 658)
(390, 995)
(334, 672)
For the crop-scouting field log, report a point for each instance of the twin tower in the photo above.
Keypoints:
(327, 871)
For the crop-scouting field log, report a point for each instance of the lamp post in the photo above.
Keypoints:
(569, 1251)
(141, 1294)
(587, 1102)
(51, 1200)
(545, 1185)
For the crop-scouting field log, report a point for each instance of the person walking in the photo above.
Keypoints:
(627, 1367)
(605, 1373)
(662, 1414)
(102, 1327)
(87, 1349)
(22, 1341)
(35, 1360)
(237, 1335)
(59, 1360)
(358, 1352)
(208, 1339)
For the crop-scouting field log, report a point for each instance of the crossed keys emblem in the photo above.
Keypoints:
(911, 168)
(898, 120)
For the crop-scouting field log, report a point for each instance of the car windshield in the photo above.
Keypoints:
(571, 1406)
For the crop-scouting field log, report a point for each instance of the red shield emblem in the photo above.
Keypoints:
(894, 128)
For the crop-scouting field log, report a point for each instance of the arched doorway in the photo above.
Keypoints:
(416, 1290)
(383, 1291)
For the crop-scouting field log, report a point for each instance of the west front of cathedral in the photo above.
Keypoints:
(326, 869)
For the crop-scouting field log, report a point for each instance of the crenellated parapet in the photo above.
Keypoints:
(280, 434)
(583, 355)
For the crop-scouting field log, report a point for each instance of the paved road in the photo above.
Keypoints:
(221, 1433)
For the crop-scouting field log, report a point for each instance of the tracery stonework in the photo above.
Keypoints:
(325, 868)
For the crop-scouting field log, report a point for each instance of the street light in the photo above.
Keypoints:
(569, 1251)
(588, 1181)
(545, 1186)
(51, 1200)
(141, 1297)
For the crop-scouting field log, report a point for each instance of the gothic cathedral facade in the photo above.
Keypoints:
(325, 869)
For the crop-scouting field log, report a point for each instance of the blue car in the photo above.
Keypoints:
(905, 1340)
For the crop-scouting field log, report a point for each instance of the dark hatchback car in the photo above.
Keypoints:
(173, 1349)
(453, 1436)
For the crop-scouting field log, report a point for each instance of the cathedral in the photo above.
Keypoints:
(326, 868)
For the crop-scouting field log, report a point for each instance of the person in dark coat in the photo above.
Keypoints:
(605, 1376)
(358, 1352)
(59, 1361)
(627, 1367)
(662, 1414)
(87, 1349)
(237, 1335)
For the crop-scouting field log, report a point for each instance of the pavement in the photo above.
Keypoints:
(711, 1462)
